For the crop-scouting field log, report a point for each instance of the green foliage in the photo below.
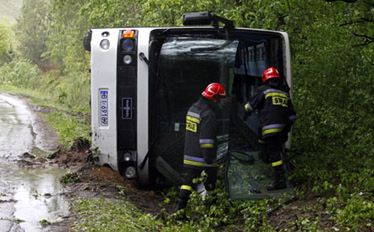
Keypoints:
(72, 91)
(18, 221)
(72, 19)
(66, 30)
(5, 43)
(20, 72)
(44, 222)
(31, 30)
(362, 21)
(70, 178)
(112, 215)
(332, 98)
(216, 213)
(257, 13)
(356, 213)
(67, 127)
(305, 224)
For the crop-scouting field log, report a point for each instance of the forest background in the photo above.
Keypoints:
(332, 45)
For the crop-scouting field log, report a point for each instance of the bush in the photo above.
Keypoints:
(356, 213)
(21, 73)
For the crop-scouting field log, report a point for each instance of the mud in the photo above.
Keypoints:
(95, 181)
(90, 180)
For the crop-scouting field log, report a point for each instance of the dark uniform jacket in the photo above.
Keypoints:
(275, 108)
(200, 142)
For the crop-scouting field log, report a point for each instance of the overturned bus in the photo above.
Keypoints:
(144, 79)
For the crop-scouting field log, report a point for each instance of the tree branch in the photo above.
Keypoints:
(361, 20)
(362, 44)
(370, 3)
(347, 23)
(363, 36)
(366, 39)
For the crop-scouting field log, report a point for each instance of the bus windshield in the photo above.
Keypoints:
(184, 62)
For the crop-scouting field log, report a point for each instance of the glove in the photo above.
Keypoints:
(247, 107)
(201, 190)
(247, 111)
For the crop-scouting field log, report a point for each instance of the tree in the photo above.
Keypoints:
(5, 43)
(71, 19)
(31, 30)
(362, 20)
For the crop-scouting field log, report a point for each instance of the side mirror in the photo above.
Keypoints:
(87, 41)
(206, 18)
(197, 18)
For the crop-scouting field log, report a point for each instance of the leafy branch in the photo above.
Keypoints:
(366, 39)
(358, 21)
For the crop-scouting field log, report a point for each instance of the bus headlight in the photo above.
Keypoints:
(127, 59)
(127, 157)
(128, 45)
(130, 172)
(105, 44)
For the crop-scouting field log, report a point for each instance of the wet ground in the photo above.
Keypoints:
(31, 196)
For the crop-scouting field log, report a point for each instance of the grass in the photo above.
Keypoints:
(67, 127)
(107, 215)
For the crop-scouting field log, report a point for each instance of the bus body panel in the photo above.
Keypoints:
(142, 123)
(103, 72)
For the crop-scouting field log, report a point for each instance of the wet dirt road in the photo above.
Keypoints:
(30, 196)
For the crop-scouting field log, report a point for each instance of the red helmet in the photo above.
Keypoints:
(213, 91)
(270, 73)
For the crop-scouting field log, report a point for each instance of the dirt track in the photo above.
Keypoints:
(31, 196)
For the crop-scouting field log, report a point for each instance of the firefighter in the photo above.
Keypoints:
(200, 142)
(275, 108)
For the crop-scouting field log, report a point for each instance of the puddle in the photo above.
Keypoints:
(30, 198)
(35, 196)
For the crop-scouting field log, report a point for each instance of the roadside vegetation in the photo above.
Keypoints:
(42, 58)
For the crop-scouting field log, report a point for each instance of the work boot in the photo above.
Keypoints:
(264, 157)
(277, 184)
(182, 203)
(179, 211)
(280, 181)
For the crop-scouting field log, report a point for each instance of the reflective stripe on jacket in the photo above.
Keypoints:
(200, 139)
(275, 109)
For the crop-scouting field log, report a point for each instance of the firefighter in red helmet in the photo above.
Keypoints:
(200, 142)
(277, 115)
